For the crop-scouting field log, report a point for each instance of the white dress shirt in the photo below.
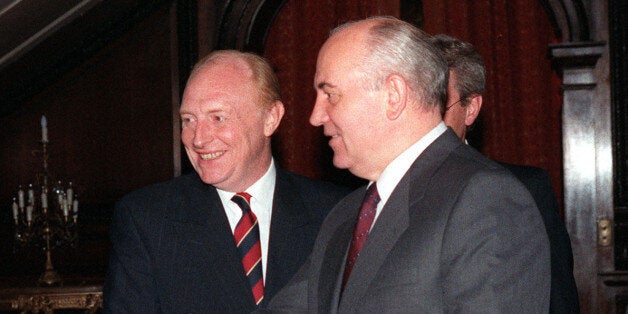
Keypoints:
(262, 193)
(393, 173)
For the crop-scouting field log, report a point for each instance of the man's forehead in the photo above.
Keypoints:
(221, 74)
(230, 65)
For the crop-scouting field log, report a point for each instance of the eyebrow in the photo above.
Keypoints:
(325, 84)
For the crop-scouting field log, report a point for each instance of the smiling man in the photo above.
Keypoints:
(227, 237)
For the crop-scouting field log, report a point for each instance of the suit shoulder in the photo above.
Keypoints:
(161, 191)
(473, 170)
(468, 160)
(527, 172)
(536, 180)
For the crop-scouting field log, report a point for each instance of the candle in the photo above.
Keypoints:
(29, 213)
(44, 129)
(44, 200)
(75, 206)
(65, 207)
(70, 193)
(31, 195)
(20, 197)
(14, 210)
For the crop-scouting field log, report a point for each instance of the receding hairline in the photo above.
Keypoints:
(223, 58)
(256, 68)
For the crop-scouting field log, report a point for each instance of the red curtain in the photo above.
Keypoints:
(520, 119)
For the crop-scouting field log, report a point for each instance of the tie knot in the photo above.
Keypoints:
(243, 200)
(244, 195)
(371, 194)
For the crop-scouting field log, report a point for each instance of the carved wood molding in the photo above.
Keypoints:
(569, 18)
(567, 56)
(576, 63)
(245, 24)
(48, 303)
(50, 299)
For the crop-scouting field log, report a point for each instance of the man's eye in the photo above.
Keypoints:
(332, 97)
(186, 120)
(219, 118)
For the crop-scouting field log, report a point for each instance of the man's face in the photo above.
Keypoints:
(224, 127)
(347, 111)
(456, 114)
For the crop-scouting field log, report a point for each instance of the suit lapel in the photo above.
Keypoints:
(294, 227)
(395, 218)
(332, 267)
(288, 218)
(207, 244)
(391, 223)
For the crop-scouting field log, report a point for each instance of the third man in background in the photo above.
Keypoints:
(467, 79)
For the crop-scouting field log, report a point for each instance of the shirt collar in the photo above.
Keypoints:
(393, 173)
(259, 189)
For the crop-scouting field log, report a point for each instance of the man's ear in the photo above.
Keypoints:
(472, 109)
(273, 118)
(397, 96)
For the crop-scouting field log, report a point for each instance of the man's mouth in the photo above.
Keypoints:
(211, 156)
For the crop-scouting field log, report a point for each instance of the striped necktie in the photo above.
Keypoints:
(361, 231)
(247, 240)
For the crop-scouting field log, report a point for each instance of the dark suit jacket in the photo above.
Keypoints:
(459, 234)
(564, 295)
(173, 250)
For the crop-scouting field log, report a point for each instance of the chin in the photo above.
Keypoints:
(210, 178)
(340, 164)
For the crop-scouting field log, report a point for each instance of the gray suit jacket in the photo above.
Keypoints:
(564, 293)
(458, 234)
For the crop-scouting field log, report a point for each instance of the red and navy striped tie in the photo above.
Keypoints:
(247, 240)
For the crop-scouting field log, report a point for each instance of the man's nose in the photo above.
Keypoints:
(319, 113)
(203, 134)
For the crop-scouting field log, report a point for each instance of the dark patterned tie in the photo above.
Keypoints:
(362, 227)
(247, 240)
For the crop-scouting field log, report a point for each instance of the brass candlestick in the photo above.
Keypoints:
(48, 220)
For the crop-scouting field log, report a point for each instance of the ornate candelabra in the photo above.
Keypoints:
(46, 217)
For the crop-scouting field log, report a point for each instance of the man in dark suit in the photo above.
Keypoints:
(227, 237)
(441, 228)
(467, 79)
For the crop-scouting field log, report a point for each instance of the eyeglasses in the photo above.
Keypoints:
(459, 100)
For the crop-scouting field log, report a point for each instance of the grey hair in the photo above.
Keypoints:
(464, 60)
(398, 47)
